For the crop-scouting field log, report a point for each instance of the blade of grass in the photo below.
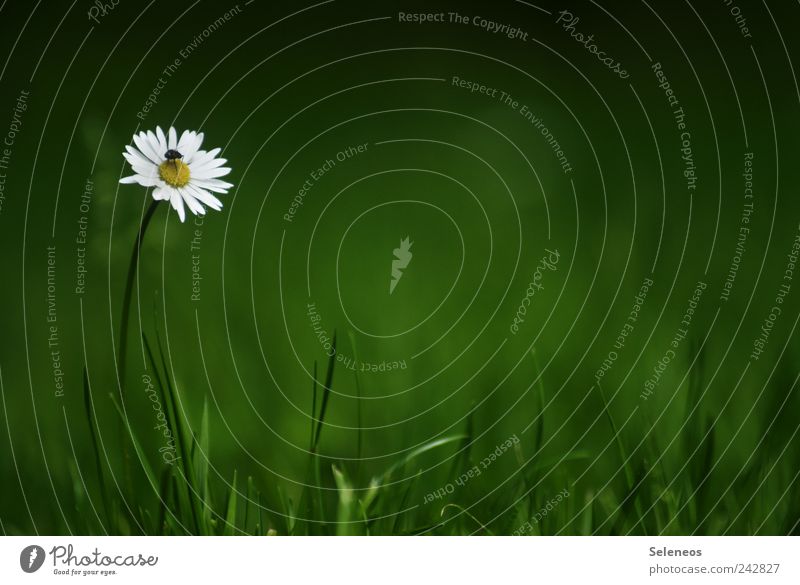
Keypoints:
(539, 433)
(165, 395)
(203, 442)
(181, 434)
(260, 526)
(346, 515)
(201, 455)
(404, 501)
(378, 481)
(316, 464)
(230, 509)
(306, 501)
(151, 476)
(464, 449)
(313, 407)
(359, 434)
(250, 490)
(691, 436)
(163, 501)
(627, 467)
(87, 402)
(468, 514)
(587, 521)
(320, 497)
(288, 511)
(326, 392)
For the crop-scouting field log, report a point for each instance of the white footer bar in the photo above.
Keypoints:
(401, 560)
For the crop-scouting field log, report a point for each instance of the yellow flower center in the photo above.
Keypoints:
(174, 173)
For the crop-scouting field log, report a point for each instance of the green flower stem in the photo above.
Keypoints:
(126, 302)
(123, 336)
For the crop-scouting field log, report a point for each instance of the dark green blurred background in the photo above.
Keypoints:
(282, 87)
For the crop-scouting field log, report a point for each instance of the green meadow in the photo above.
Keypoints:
(478, 273)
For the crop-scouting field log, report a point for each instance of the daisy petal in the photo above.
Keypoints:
(143, 144)
(192, 147)
(192, 203)
(161, 194)
(210, 173)
(162, 139)
(212, 185)
(150, 139)
(212, 164)
(147, 169)
(176, 201)
(172, 143)
(202, 157)
(147, 173)
(143, 181)
(155, 142)
(133, 156)
(205, 197)
(186, 138)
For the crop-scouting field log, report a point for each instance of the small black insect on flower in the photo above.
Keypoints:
(172, 154)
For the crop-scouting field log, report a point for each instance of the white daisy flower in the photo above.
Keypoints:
(178, 170)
